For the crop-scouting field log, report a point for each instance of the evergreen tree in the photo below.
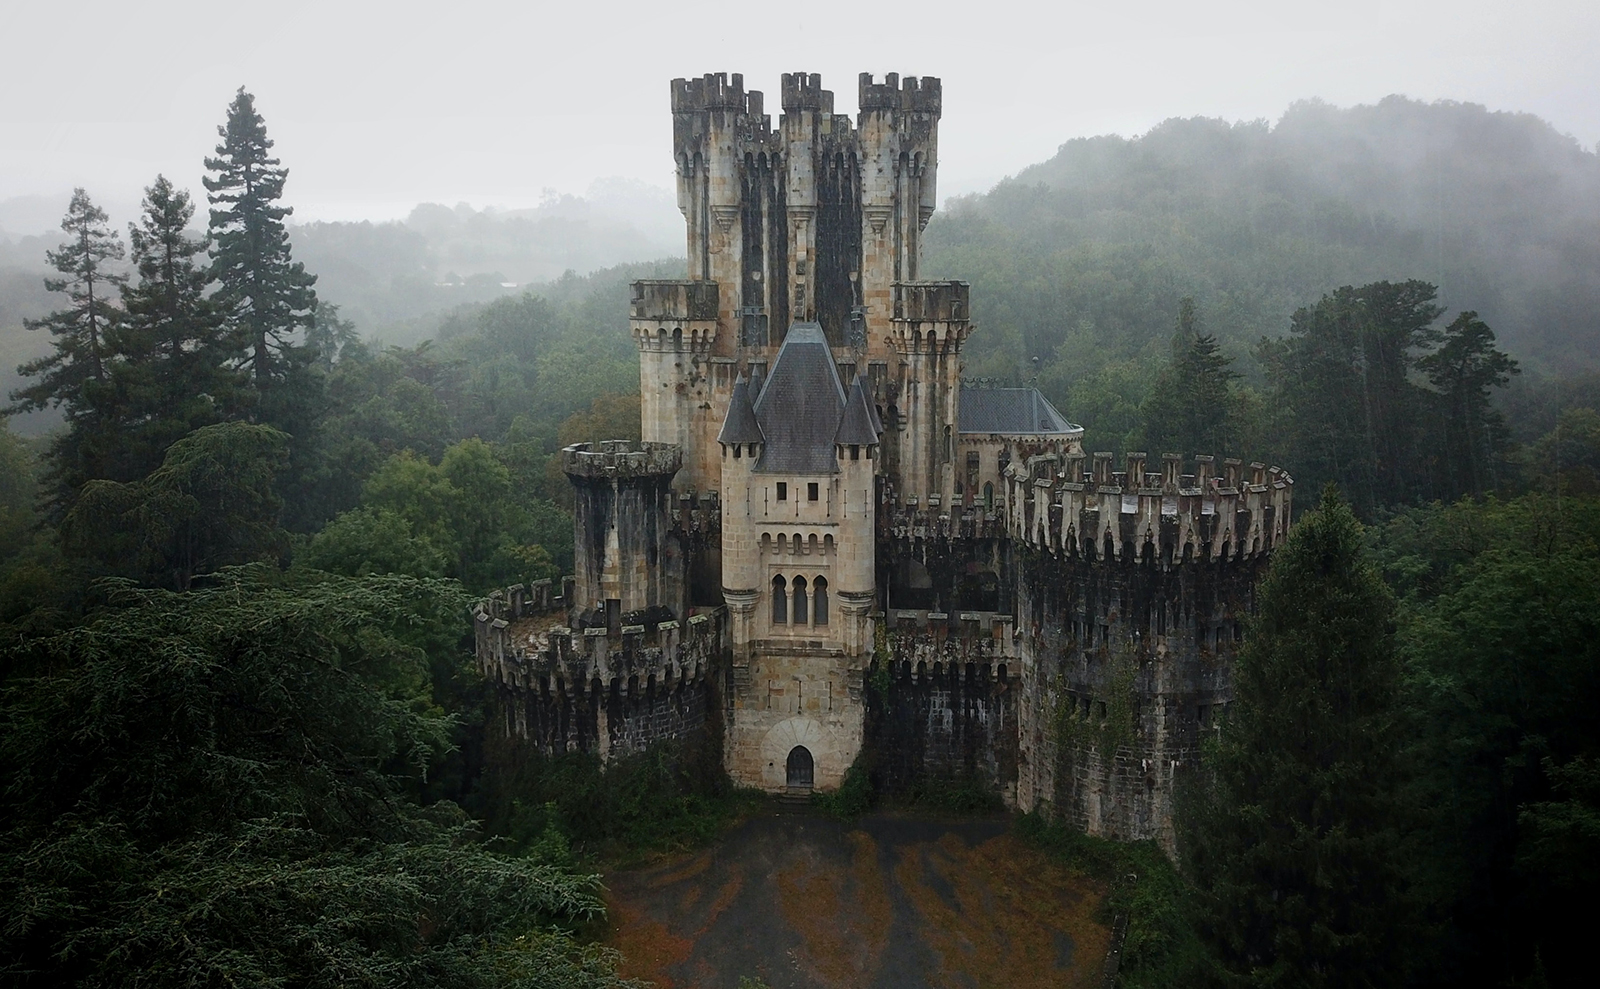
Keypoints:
(174, 376)
(329, 335)
(269, 295)
(1473, 438)
(1342, 378)
(1294, 848)
(75, 376)
(210, 504)
(1191, 408)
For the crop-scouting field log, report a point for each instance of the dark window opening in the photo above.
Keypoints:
(811, 491)
(780, 601)
(819, 610)
(783, 491)
(855, 451)
(800, 601)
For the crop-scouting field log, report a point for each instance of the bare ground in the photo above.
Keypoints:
(892, 902)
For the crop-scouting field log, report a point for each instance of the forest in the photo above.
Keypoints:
(269, 467)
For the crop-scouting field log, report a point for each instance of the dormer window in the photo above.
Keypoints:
(783, 491)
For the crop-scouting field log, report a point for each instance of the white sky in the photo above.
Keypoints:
(378, 106)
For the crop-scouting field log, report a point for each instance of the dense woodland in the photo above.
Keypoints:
(241, 734)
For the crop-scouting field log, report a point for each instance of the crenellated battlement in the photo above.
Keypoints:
(1082, 506)
(712, 91)
(945, 302)
(802, 91)
(523, 645)
(674, 299)
(910, 95)
(621, 458)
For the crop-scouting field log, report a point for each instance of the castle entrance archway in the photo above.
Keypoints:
(801, 768)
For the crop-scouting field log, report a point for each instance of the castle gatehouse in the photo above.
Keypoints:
(828, 545)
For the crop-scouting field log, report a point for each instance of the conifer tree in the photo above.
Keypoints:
(1191, 408)
(269, 295)
(1463, 370)
(1294, 846)
(174, 376)
(75, 376)
(1343, 381)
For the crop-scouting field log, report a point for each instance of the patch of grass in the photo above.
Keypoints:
(962, 795)
(1161, 947)
(664, 799)
(854, 797)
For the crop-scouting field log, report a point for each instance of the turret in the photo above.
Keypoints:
(621, 522)
(856, 446)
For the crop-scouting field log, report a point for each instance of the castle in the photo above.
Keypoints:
(828, 546)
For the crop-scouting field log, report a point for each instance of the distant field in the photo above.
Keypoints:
(894, 902)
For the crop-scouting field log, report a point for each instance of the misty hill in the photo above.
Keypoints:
(394, 279)
(1082, 259)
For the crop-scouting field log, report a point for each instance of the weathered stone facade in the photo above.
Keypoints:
(823, 543)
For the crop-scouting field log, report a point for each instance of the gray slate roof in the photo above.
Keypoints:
(800, 406)
(1010, 412)
(740, 426)
(857, 425)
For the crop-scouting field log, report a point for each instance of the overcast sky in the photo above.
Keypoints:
(378, 106)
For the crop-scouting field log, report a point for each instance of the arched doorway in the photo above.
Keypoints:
(801, 768)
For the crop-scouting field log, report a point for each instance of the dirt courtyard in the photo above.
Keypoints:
(891, 902)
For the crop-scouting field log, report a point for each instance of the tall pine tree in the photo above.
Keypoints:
(1295, 848)
(1191, 408)
(75, 375)
(269, 296)
(1343, 381)
(1472, 437)
(175, 375)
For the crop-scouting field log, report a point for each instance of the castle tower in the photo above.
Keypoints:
(814, 220)
(624, 566)
(799, 502)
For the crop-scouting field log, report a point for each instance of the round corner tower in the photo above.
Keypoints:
(621, 522)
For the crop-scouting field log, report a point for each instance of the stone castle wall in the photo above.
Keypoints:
(612, 693)
(942, 702)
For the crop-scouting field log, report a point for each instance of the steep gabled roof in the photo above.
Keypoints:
(1010, 412)
(740, 426)
(800, 404)
(857, 427)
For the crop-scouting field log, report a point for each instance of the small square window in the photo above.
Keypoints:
(811, 491)
(783, 491)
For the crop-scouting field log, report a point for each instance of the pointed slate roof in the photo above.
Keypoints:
(857, 426)
(1010, 412)
(740, 426)
(800, 405)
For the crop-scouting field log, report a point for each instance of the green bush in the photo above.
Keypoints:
(1160, 946)
(854, 797)
(666, 798)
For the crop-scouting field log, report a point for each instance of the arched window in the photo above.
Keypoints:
(819, 596)
(988, 494)
(780, 601)
(799, 600)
